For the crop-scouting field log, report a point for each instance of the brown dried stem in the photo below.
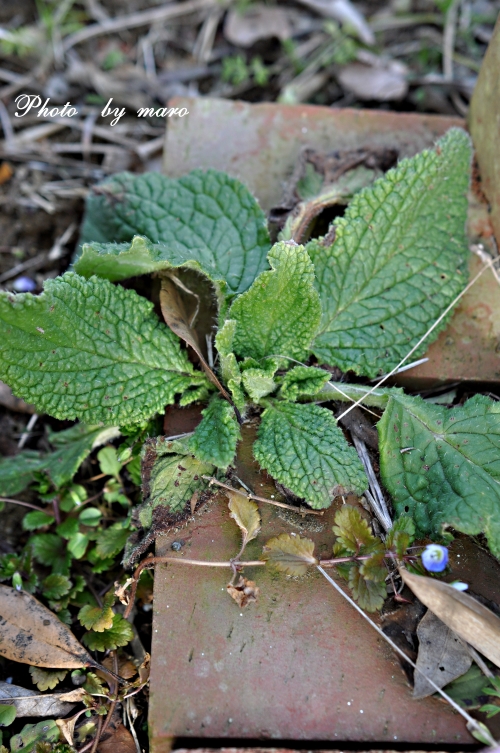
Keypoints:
(249, 495)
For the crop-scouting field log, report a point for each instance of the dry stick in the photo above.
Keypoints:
(471, 723)
(179, 561)
(133, 20)
(489, 265)
(249, 495)
(374, 493)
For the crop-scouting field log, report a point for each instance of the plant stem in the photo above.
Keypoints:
(353, 393)
(24, 504)
(249, 495)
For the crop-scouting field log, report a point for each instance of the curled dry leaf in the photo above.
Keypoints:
(246, 514)
(381, 82)
(67, 726)
(290, 554)
(255, 23)
(469, 619)
(244, 591)
(174, 313)
(31, 703)
(145, 668)
(126, 668)
(442, 656)
(121, 592)
(32, 634)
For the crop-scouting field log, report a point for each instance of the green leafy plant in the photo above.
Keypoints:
(86, 348)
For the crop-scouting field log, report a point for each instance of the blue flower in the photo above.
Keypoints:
(435, 558)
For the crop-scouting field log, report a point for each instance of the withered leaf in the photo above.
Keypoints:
(145, 668)
(118, 741)
(442, 656)
(246, 514)
(290, 554)
(174, 313)
(31, 703)
(472, 621)
(32, 634)
(126, 668)
(244, 592)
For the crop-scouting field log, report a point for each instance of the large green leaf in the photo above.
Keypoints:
(442, 466)
(228, 365)
(397, 261)
(171, 475)
(302, 447)
(205, 219)
(16, 473)
(214, 440)
(280, 313)
(91, 350)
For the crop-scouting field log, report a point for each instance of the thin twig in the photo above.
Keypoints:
(24, 436)
(375, 496)
(23, 504)
(489, 265)
(249, 495)
(471, 723)
(133, 20)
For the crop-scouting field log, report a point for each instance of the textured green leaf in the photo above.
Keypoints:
(442, 466)
(50, 549)
(352, 530)
(91, 350)
(36, 519)
(259, 381)
(7, 715)
(75, 444)
(303, 380)
(467, 690)
(215, 438)
(280, 314)
(112, 540)
(119, 634)
(302, 447)
(98, 619)
(397, 261)
(204, 220)
(56, 586)
(169, 477)
(228, 365)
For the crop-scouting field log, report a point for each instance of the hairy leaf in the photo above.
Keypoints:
(169, 478)
(303, 380)
(229, 367)
(32, 634)
(18, 472)
(370, 594)
(246, 514)
(204, 220)
(280, 313)
(91, 350)
(290, 554)
(449, 472)
(112, 540)
(401, 535)
(259, 381)
(397, 261)
(302, 447)
(119, 634)
(215, 438)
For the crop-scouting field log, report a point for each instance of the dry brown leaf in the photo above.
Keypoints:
(257, 22)
(67, 727)
(32, 703)
(246, 514)
(6, 172)
(174, 313)
(122, 591)
(381, 82)
(442, 656)
(145, 669)
(244, 592)
(468, 618)
(193, 502)
(126, 668)
(119, 741)
(32, 634)
(290, 554)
